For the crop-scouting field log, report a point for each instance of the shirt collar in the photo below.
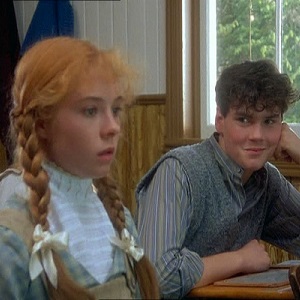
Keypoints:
(230, 167)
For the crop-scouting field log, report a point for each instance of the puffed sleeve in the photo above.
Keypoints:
(14, 273)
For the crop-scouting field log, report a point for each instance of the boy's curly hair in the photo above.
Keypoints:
(255, 85)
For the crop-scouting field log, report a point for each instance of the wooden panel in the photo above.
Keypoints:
(290, 169)
(174, 84)
(141, 146)
(278, 255)
(296, 182)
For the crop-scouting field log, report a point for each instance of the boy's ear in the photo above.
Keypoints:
(219, 120)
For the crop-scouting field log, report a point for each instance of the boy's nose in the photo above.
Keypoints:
(256, 131)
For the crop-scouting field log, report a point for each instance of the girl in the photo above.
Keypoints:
(57, 240)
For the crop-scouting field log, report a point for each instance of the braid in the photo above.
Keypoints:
(110, 195)
(34, 176)
(36, 179)
(147, 280)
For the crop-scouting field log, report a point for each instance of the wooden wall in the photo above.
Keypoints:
(141, 145)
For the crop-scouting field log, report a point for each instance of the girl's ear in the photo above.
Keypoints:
(40, 129)
(219, 120)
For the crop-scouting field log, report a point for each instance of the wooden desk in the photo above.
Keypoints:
(230, 292)
(270, 284)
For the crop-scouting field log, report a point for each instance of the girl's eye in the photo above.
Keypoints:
(90, 111)
(117, 111)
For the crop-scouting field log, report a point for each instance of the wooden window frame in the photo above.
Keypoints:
(178, 133)
(183, 123)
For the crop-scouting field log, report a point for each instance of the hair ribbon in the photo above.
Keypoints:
(127, 243)
(41, 256)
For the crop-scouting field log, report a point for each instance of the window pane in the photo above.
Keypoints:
(291, 51)
(248, 30)
(245, 31)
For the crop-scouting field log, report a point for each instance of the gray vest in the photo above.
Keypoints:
(215, 226)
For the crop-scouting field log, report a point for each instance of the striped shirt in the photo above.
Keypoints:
(165, 211)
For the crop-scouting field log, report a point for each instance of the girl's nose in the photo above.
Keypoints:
(110, 125)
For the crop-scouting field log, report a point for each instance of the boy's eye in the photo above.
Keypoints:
(270, 121)
(243, 120)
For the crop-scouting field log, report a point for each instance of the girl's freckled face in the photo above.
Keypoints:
(83, 136)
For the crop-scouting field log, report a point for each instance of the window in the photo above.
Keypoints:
(234, 31)
(183, 120)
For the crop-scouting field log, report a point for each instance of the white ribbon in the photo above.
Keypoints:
(127, 243)
(41, 256)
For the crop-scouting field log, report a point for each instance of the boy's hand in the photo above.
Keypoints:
(288, 148)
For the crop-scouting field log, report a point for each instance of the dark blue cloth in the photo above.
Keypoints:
(51, 18)
(9, 55)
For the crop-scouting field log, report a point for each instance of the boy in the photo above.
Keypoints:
(202, 209)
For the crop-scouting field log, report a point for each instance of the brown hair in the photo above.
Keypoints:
(255, 84)
(44, 77)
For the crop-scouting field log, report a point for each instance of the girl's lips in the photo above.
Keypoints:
(108, 150)
(107, 154)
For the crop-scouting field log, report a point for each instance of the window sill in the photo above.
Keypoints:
(287, 169)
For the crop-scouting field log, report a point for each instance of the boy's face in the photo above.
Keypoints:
(249, 137)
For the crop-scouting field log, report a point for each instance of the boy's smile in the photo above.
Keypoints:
(249, 137)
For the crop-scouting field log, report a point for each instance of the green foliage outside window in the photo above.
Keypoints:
(246, 30)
